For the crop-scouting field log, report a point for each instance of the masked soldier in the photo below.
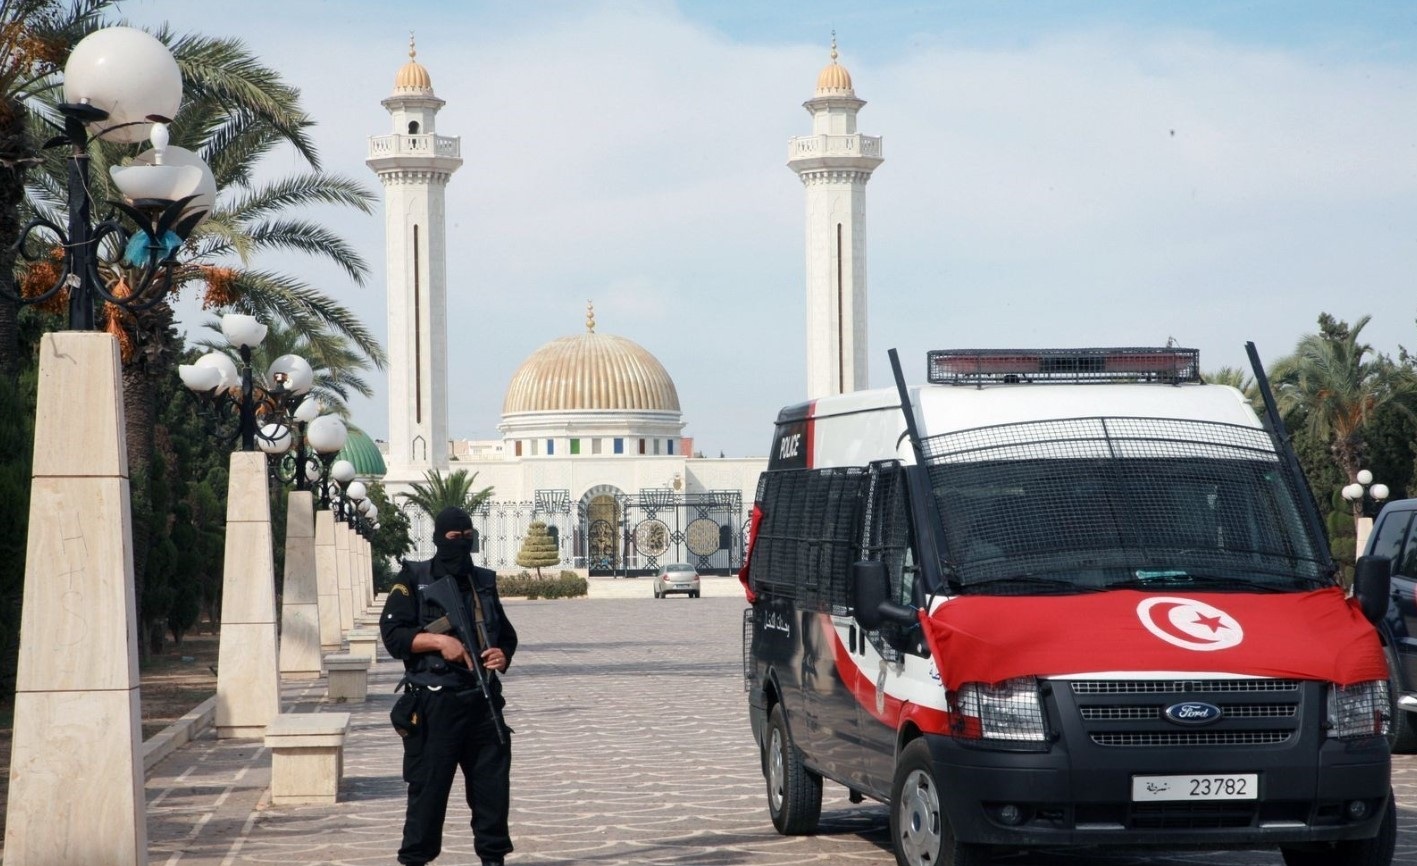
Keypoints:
(445, 720)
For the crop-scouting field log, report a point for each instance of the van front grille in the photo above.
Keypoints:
(1132, 713)
(1193, 738)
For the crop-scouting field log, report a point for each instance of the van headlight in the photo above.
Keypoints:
(1011, 710)
(1359, 710)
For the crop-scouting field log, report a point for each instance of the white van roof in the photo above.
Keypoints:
(949, 408)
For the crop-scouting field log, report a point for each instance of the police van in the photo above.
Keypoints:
(1063, 598)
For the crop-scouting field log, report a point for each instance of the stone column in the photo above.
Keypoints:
(367, 567)
(76, 765)
(343, 563)
(247, 686)
(299, 607)
(327, 582)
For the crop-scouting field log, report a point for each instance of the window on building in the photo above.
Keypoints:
(550, 447)
(535, 447)
(656, 446)
(575, 446)
(670, 443)
(519, 447)
(413, 127)
(619, 446)
(642, 446)
(595, 446)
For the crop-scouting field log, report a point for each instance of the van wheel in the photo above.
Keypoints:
(1403, 739)
(919, 830)
(1376, 851)
(794, 792)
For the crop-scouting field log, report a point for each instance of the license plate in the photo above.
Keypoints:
(1233, 786)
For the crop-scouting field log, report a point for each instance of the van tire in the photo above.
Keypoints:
(920, 833)
(794, 792)
(1376, 851)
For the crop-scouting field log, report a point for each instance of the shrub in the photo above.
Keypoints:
(567, 584)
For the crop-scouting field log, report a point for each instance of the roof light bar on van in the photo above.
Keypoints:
(1136, 364)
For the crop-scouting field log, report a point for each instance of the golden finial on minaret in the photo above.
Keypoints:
(833, 46)
(413, 52)
(590, 317)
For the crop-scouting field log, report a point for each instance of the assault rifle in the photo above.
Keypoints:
(444, 592)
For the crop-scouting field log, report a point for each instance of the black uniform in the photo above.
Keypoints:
(455, 724)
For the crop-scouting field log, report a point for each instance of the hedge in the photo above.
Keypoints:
(567, 584)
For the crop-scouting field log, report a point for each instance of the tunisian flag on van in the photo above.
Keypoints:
(1317, 635)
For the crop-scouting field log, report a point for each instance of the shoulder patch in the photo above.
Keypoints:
(398, 587)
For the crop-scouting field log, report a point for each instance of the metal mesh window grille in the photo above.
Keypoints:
(1102, 499)
(886, 525)
(808, 537)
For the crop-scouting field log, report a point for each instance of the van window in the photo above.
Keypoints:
(809, 535)
(886, 536)
(1109, 502)
(1388, 536)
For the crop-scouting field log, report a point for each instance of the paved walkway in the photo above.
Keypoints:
(632, 746)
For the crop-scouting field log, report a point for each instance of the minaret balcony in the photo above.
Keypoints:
(381, 146)
(808, 152)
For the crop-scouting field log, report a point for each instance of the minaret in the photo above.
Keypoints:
(414, 164)
(835, 162)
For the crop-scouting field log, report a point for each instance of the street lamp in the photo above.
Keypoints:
(263, 413)
(122, 85)
(1358, 494)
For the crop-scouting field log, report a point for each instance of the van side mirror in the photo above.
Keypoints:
(870, 596)
(1372, 581)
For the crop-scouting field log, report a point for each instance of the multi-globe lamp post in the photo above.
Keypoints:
(1359, 494)
(120, 85)
(263, 420)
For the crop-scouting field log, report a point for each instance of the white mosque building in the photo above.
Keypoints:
(592, 432)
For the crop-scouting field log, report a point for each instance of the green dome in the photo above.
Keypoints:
(360, 450)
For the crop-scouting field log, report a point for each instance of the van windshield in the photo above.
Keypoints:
(1092, 504)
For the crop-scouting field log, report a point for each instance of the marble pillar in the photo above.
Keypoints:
(247, 685)
(327, 582)
(299, 605)
(76, 765)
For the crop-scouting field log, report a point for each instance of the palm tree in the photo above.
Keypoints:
(1336, 383)
(437, 492)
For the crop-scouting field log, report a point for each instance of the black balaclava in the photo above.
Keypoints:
(454, 556)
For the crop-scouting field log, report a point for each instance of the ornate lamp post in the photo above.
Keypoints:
(264, 416)
(1359, 494)
(121, 85)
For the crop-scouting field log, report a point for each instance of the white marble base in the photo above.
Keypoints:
(76, 774)
(307, 757)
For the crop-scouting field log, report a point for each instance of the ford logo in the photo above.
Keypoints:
(1193, 713)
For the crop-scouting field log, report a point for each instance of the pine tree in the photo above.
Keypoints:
(538, 548)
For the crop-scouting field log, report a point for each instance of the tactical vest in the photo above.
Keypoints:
(431, 669)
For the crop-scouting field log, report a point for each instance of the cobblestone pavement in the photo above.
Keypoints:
(632, 746)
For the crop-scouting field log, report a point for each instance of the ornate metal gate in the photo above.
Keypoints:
(610, 532)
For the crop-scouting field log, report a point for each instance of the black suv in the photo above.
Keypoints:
(1395, 536)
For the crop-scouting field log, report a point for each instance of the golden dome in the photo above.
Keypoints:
(591, 371)
(412, 76)
(834, 80)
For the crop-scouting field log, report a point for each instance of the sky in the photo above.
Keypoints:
(1056, 174)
